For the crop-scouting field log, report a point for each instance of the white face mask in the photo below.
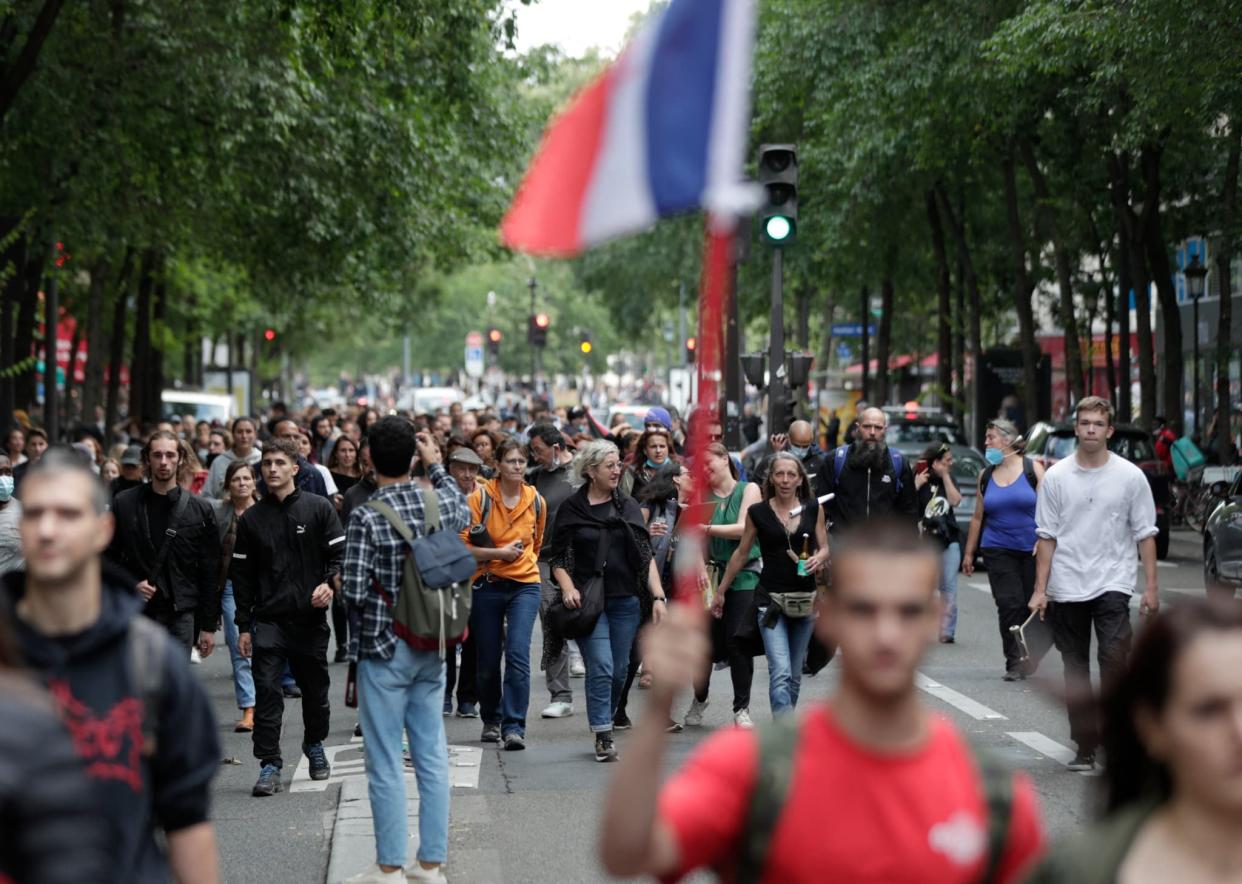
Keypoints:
(6, 488)
(799, 452)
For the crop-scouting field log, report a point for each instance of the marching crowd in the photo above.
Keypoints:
(423, 548)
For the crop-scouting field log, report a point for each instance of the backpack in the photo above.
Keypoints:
(1028, 470)
(777, 742)
(838, 464)
(145, 649)
(485, 507)
(432, 610)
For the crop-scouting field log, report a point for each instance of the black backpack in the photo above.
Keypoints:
(1028, 470)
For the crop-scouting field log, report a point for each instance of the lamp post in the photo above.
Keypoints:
(1195, 274)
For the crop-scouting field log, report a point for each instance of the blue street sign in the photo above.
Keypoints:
(851, 329)
(844, 351)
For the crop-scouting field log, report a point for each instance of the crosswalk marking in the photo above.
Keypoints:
(1049, 748)
(959, 701)
(465, 763)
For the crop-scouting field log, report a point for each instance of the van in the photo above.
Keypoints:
(215, 408)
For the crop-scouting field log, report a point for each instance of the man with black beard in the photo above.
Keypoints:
(870, 480)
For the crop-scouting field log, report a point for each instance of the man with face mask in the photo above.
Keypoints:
(868, 478)
(800, 442)
(10, 520)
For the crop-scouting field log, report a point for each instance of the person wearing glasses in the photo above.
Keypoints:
(506, 593)
(938, 495)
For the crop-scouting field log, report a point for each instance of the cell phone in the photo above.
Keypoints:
(921, 467)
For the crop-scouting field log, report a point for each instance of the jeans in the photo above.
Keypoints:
(405, 692)
(737, 607)
(950, 562)
(785, 646)
(497, 604)
(557, 673)
(1071, 629)
(1011, 575)
(243, 679)
(606, 653)
(303, 647)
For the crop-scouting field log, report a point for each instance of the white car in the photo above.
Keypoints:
(428, 400)
(214, 408)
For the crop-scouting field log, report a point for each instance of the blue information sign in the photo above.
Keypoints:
(851, 329)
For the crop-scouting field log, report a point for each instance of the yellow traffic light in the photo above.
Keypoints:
(585, 346)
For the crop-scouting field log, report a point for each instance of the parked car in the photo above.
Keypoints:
(1049, 442)
(215, 408)
(1222, 536)
(912, 432)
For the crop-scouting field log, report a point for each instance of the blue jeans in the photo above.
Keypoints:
(950, 562)
(243, 681)
(494, 605)
(785, 646)
(606, 653)
(405, 692)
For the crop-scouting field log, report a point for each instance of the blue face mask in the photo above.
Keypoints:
(799, 452)
(652, 464)
(994, 456)
(6, 488)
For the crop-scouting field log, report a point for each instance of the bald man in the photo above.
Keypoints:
(800, 442)
(870, 480)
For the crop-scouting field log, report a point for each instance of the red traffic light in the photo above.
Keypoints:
(691, 343)
(269, 334)
(542, 320)
(494, 335)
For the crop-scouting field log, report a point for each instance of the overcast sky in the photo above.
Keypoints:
(576, 25)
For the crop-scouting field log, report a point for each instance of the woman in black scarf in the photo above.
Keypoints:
(601, 532)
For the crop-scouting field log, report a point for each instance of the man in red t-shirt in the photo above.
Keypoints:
(881, 788)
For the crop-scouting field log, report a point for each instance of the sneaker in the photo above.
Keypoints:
(947, 640)
(319, 767)
(491, 733)
(694, 718)
(376, 875)
(1082, 761)
(195, 656)
(342, 654)
(514, 742)
(291, 692)
(559, 709)
(428, 876)
(268, 782)
(622, 723)
(577, 669)
(673, 727)
(448, 707)
(1014, 675)
(604, 749)
(467, 710)
(741, 718)
(358, 729)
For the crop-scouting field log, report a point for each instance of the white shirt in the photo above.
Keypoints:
(1097, 517)
(328, 481)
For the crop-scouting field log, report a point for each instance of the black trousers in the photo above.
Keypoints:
(1011, 575)
(738, 609)
(304, 646)
(1071, 628)
(340, 622)
(465, 679)
(180, 624)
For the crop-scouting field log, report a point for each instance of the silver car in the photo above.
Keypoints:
(912, 439)
(1222, 538)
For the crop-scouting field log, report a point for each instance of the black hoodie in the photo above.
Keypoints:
(88, 676)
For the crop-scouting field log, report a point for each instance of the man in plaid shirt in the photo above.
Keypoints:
(399, 687)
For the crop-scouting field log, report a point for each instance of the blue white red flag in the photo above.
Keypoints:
(662, 131)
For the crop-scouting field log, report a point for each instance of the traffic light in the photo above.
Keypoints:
(584, 343)
(537, 330)
(494, 337)
(778, 173)
(269, 334)
(692, 344)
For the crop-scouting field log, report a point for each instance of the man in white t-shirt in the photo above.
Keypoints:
(1091, 511)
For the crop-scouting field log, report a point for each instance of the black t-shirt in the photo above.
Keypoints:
(619, 576)
(159, 512)
(344, 482)
(780, 572)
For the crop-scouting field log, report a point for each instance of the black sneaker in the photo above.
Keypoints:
(491, 733)
(292, 692)
(1082, 761)
(319, 767)
(342, 654)
(622, 723)
(467, 710)
(268, 783)
(514, 742)
(358, 729)
(604, 749)
(1014, 675)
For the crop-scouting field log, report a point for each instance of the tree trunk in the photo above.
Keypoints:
(944, 341)
(116, 347)
(1061, 257)
(12, 262)
(23, 336)
(1130, 228)
(865, 318)
(19, 72)
(957, 224)
(825, 345)
(140, 353)
(92, 385)
(959, 334)
(1022, 290)
(69, 409)
(1224, 327)
(1173, 363)
(155, 350)
(884, 336)
(1125, 285)
(1110, 304)
(803, 302)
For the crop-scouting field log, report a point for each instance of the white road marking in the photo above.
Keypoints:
(982, 587)
(1166, 564)
(465, 765)
(1050, 748)
(957, 700)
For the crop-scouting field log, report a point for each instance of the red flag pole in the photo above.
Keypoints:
(714, 293)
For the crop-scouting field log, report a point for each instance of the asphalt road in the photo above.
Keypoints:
(533, 815)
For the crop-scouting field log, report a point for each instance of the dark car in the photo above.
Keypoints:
(1222, 537)
(1047, 443)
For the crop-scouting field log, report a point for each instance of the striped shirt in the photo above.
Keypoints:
(375, 553)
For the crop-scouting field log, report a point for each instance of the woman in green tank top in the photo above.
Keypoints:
(734, 609)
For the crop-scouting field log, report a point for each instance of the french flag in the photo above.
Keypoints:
(662, 131)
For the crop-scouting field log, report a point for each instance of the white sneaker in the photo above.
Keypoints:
(376, 875)
(577, 669)
(741, 718)
(694, 718)
(195, 657)
(415, 872)
(559, 709)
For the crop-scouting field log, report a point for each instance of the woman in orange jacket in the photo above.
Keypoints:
(506, 592)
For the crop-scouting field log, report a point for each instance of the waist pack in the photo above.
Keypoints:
(432, 610)
(794, 605)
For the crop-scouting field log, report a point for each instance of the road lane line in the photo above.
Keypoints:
(1049, 748)
(957, 700)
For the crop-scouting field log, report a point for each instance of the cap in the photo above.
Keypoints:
(659, 415)
(132, 456)
(465, 455)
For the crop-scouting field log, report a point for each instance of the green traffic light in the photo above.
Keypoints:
(778, 228)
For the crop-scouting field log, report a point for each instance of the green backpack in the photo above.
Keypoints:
(778, 741)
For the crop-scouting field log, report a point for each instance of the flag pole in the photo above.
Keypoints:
(714, 293)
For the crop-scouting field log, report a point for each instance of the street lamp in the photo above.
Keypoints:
(1195, 274)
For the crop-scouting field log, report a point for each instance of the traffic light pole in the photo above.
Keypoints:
(776, 353)
(534, 351)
